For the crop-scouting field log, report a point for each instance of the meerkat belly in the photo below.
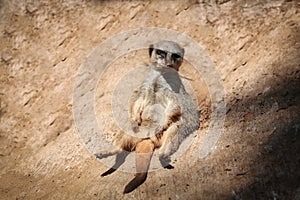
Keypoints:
(153, 117)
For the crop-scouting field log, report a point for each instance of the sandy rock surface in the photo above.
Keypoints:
(255, 48)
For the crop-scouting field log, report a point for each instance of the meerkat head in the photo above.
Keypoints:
(166, 54)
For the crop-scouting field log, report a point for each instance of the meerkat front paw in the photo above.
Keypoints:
(135, 127)
(158, 130)
(162, 128)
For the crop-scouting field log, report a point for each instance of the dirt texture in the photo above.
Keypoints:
(255, 46)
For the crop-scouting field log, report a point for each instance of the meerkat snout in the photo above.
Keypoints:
(166, 54)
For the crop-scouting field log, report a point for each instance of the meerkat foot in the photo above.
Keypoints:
(101, 155)
(165, 162)
(107, 154)
(169, 166)
(120, 159)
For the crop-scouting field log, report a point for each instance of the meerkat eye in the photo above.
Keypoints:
(161, 53)
(175, 56)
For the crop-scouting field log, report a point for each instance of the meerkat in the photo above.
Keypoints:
(161, 104)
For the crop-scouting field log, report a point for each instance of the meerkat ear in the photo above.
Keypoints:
(150, 50)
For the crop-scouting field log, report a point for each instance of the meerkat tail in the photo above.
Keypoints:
(144, 151)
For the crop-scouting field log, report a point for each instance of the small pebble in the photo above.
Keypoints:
(6, 56)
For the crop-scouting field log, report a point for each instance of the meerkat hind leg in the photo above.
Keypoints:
(165, 151)
(120, 159)
(144, 151)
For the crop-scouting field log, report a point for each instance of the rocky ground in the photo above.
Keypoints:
(255, 46)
